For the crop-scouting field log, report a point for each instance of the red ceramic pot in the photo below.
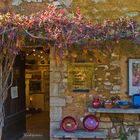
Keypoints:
(96, 103)
(69, 124)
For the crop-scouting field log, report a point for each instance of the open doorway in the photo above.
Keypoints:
(26, 109)
(37, 91)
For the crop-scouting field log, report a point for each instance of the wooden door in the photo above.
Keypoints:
(15, 112)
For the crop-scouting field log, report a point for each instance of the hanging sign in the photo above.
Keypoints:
(80, 76)
(14, 92)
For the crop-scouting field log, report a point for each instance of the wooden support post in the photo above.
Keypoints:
(1, 102)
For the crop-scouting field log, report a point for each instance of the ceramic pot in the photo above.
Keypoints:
(108, 105)
(96, 103)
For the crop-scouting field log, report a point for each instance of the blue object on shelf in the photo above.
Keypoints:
(123, 103)
(136, 100)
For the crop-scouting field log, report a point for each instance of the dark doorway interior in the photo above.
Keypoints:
(37, 92)
(27, 116)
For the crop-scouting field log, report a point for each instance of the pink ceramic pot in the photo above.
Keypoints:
(96, 103)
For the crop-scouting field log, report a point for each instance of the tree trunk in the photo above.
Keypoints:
(5, 6)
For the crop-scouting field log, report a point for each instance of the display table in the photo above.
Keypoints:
(79, 134)
(114, 110)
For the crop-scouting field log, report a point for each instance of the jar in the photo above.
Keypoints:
(96, 103)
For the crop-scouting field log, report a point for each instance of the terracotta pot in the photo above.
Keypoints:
(108, 105)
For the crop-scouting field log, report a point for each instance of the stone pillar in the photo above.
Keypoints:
(57, 100)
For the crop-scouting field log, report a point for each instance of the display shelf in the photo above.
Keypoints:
(114, 110)
(79, 134)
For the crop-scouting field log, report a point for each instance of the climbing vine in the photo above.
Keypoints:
(61, 29)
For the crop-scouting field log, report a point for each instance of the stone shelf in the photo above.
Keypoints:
(79, 134)
(114, 110)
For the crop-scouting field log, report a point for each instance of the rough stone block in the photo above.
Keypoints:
(116, 88)
(52, 65)
(128, 123)
(65, 74)
(65, 66)
(131, 117)
(62, 90)
(65, 80)
(104, 125)
(54, 126)
(55, 113)
(98, 115)
(57, 101)
(54, 90)
(106, 119)
(55, 77)
(51, 77)
(137, 123)
(113, 92)
(16, 2)
(69, 99)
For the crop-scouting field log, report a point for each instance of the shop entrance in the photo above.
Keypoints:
(37, 92)
(27, 111)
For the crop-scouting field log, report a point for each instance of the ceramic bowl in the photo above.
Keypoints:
(69, 124)
(90, 122)
(124, 104)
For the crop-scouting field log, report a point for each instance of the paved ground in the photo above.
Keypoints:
(37, 127)
(34, 138)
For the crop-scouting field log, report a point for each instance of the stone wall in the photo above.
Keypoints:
(57, 98)
(62, 101)
(97, 11)
(110, 79)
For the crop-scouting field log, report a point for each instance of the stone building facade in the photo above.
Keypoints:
(64, 102)
(110, 79)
